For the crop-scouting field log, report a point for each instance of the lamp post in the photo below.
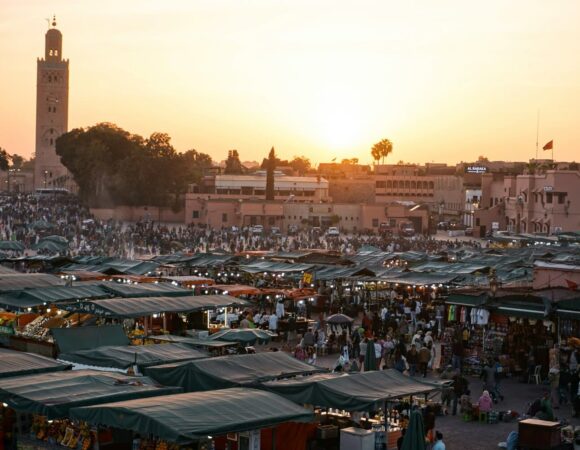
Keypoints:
(45, 177)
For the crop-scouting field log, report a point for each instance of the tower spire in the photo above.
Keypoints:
(54, 20)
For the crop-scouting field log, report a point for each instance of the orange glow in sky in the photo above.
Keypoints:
(445, 81)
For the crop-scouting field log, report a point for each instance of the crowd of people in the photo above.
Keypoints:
(28, 218)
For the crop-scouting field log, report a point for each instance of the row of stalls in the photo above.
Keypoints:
(260, 401)
(518, 328)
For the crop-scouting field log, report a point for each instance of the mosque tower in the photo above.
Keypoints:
(51, 111)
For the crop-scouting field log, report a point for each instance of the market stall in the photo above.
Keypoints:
(34, 411)
(372, 400)
(131, 357)
(211, 346)
(183, 419)
(231, 371)
(53, 394)
(15, 363)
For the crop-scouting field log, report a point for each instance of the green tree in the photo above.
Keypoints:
(113, 167)
(300, 164)
(233, 164)
(382, 149)
(4, 159)
(270, 174)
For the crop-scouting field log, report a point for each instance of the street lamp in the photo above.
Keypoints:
(45, 177)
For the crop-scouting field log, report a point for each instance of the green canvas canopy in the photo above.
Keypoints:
(53, 394)
(356, 392)
(184, 418)
(53, 294)
(86, 338)
(248, 336)
(230, 371)
(20, 281)
(466, 299)
(13, 363)
(194, 342)
(145, 290)
(146, 306)
(119, 357)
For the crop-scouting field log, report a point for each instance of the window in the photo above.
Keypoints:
(375, 223)
(247, 190)
(381, 184)
(561, 198)
(51, 141)
(407, 184)
(195, 214)
(413, 185)
(431, 185)
(224, 217)
(548, 197)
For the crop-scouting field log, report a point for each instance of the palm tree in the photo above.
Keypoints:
(382, 149)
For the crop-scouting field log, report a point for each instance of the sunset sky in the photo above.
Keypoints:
(446, 81)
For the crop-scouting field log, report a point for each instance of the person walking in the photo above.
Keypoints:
(423, 360)
(412, 359)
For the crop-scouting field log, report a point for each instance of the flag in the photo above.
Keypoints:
(548, 146)
(571, 285)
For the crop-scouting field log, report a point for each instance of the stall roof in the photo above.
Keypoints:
(236, 290)
(20, 281)
(184, 418)
(52, 294)
(73, 339)
(524, 306)
(194, 342)
(569, 308)
(15, 363)
(278, 267)
(231, 371)
(189, 280)
(472, 300)
(53, 394)
(145, 290)
(357, 392)
(145, 306)
(418, 278)
(123, 357)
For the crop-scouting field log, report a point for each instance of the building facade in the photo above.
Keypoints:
(253, 187)
(436, 186)
(219, 212)
(52, 84)
(545, 202)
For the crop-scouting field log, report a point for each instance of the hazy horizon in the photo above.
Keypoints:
(444, 82)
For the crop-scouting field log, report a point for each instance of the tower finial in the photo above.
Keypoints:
(54, 20)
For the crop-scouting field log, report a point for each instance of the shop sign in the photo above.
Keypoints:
(476, 169)
(548, 188)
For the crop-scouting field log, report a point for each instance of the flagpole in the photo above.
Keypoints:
(537, 132)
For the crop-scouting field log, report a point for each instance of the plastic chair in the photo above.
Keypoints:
(536, 376)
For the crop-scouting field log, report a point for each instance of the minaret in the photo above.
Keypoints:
(51, 111)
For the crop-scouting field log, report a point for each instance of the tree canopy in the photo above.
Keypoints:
(382, 149)
(4, 159)
(271, 166)
(114, 167)
(233, 164)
